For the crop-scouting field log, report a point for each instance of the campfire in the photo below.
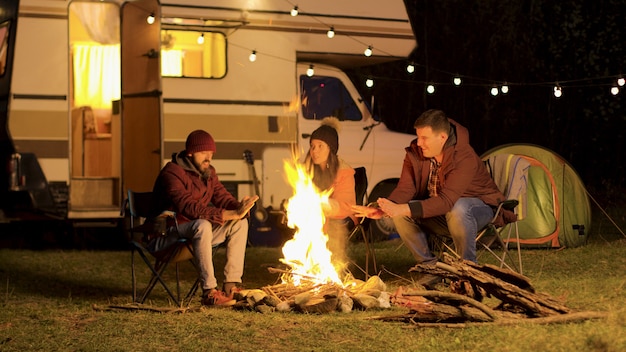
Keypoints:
(311, 282)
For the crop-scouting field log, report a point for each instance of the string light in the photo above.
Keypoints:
(368, 51)
(430, 89)
(505, 88)
(252, 56)
(494, 91)
(294, 11)
(369, 83)
(621, 81)
(150, 18)
(614, 90)
(557, 91)
(200, 39)
(457, 81)
(410, 68)
(331, 32)
(310, 71)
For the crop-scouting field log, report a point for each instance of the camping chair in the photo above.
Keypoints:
(510, 173)
(360, 184)
(142, 226)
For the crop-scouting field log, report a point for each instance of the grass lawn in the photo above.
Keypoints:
(48, 298)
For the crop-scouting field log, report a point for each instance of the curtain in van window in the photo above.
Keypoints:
(96, 72)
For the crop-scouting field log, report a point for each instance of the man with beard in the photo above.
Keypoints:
(207, 214)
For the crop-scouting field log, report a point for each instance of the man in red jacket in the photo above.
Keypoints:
(444, 189)
(206, 213)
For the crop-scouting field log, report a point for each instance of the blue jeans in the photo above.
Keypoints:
(461, 223)
(204, 236)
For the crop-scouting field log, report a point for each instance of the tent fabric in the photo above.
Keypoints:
(556, 211)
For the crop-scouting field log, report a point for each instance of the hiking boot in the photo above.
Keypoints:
(231, 289)
(215, 298)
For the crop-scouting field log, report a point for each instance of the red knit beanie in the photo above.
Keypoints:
(199, 141)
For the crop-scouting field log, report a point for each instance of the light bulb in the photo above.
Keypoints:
(294, 11)
(410, 68)
(310, 71)
(150, 19)
(504, 89)
(614, 90)
(621, 81)
(368, 51)
(557, 91)
(457, 81)
(200, 39)
(430, 89)
(252, 56)
(369, 83)
(494, 91)
(331, 32)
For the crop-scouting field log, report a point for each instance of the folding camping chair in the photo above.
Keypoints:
(142, 225)
(360, 184)
(510, 173)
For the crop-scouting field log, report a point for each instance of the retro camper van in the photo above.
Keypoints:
(103, 92)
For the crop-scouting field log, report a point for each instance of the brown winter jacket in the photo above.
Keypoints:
(180, 188)
(463, 174)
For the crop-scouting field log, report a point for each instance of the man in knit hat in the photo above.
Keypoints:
(206, 213)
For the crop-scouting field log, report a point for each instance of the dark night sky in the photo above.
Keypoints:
(531, 45)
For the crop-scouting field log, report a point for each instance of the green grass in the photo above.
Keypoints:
(47, 299)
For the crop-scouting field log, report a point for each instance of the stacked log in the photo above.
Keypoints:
(469, 284)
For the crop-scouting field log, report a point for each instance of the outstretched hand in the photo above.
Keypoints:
(367, 212)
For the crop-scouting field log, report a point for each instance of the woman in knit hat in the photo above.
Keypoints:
(331, 172)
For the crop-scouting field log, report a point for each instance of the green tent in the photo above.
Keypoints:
(554, 202)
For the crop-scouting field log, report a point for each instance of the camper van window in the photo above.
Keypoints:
(4, 45)
(327, 96)
(193, 54)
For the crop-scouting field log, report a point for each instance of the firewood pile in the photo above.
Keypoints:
(308, 297)
(470, 284)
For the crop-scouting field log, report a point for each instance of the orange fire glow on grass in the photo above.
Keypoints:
(306, 253)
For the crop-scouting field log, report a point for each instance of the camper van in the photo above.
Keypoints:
(104, 92)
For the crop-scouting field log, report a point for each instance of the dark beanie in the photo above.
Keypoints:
(199, 141)
(329, 135)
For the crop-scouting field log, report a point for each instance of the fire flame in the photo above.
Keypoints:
(306, 253)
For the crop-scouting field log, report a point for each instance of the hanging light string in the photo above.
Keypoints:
(495, 87)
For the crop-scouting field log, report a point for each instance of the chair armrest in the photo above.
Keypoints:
(510, 204)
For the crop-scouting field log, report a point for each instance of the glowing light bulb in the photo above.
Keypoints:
(410, 68)
(310, 71)
(614, 90)
(150, 19)
(368, 51)
(200, 39)
(430, 89)
(252, 56)
(557, 91)
(504, 89)
(494, 91)
(294, 11)
(331, 32)
(621, 81)
(369, 83)
(457, 81)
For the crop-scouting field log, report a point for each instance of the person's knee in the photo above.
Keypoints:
(203, 227)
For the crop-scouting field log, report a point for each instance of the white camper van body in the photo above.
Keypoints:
(255, 106)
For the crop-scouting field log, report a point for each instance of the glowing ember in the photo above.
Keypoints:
(306, 253)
